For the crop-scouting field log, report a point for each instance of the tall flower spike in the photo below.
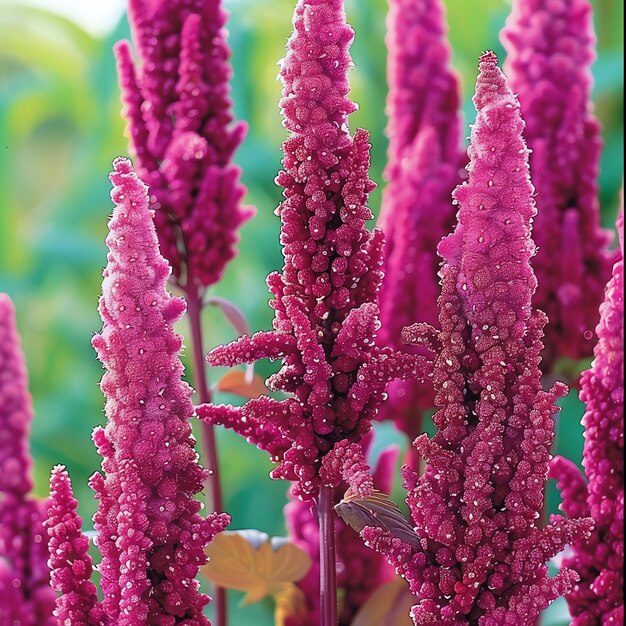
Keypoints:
(69, 558)
(325, 299)
(425, 161)
(481, 559)
(551, 46)
(180, 124)
(599, 597)
(24, 574)
(150, 534)
(360, 571)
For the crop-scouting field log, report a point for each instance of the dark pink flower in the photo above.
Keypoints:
(180, 117)
(551, 46)
(599, 597)
(149, 530)
(325, 299)
(70, 562)
(24, 572)
(480, 555)
(360, 571)
(425, 162)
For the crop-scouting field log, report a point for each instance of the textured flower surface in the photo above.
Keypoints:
(26, 597)
(360, 571)
(551, 49)
(599, 597)
(69, 559)
(149, 531)
(425, 161)
(326, 297)
(180, 117)
(480, 555)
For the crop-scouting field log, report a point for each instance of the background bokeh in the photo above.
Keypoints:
(60, 129)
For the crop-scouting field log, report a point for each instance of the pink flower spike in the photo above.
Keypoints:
(69, 558)
(326, 296)
(150, 533)
(425, 165)
(551, 48)
(179, 115)
(16, 411)
(23, 547)
(476, 508)
(599, 597)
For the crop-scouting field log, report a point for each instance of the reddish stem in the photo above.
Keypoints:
(328, 558)
(209, 444)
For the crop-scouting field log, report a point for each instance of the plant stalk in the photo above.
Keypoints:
(328, 558)
(208, 439)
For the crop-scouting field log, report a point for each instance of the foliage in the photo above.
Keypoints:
(259, 566)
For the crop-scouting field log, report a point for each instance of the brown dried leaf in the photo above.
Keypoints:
(378, 511)
(241, 384)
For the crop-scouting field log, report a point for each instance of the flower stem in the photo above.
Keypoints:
(208, 440)
(328, 558)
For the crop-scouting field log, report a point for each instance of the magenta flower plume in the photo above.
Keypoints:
(479, 556)
(551, 49)
(424, 167)
(149, 531)
(69, 559)
(599, 597)
(360, 571)
(325, 299)
(24, 576)
(179, 112)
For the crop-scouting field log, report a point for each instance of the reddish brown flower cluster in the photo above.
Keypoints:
(325, 299)
(425, 162)
(599, 596)
(180, 123)
(479, 555)
(551, 46)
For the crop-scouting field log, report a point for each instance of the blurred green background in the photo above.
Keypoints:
(60, 129)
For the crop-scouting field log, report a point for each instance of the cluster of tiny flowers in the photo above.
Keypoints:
(424, 166)
(599, 596)
(360, 571)
(551, 46)
(479, 556)
(326, 297)
(25, 595)
(70, 562)
(180, 123)
(149, 530)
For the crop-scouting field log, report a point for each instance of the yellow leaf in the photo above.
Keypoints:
(239, 383)
(290, 562)
(290, 602)
(251, 562)
(390, 605)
